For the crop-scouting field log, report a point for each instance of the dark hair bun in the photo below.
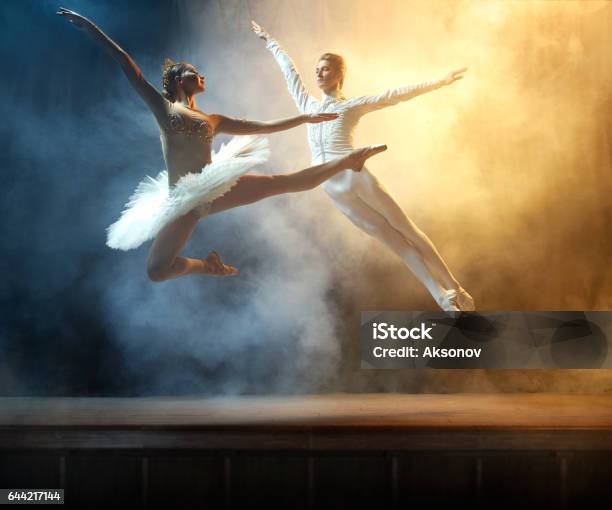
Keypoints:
(170, 71)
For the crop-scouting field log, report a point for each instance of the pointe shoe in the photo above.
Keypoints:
(465, 301)
(359, 156)
(448, 301)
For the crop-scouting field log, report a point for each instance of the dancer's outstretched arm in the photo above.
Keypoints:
(367, 104)
(232, 126)
(292, 77)
(154, 100)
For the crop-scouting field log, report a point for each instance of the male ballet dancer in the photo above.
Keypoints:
(361, 196)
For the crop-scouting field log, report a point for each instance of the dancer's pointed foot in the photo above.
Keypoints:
(465, 301)
(357, 158)
(214, 266)
(448, 301)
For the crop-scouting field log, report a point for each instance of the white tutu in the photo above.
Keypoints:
(153, 205)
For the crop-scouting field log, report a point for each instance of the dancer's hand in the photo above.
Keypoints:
(81, 22)
(216, 267)
(453, 76)
(316, 118)
(259, 32)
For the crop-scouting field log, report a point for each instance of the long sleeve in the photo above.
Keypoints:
(292, 77)
(391, 97)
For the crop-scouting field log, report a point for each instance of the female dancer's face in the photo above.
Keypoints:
(328, 76)
(192, 81)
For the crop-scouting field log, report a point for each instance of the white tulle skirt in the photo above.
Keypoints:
(153, 205)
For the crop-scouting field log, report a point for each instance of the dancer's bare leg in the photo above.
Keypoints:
(252, 188)
(372, 191)
(164, 262)
(373, 223)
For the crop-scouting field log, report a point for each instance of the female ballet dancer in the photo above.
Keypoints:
(362, 197)
(198, 182)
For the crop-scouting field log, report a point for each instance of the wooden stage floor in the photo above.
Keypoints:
(313, 452)
(345, 421)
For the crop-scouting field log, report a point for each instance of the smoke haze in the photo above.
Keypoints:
(507, 170)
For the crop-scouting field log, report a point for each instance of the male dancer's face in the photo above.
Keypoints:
(328, 76)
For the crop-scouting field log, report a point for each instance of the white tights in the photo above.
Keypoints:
(370, 207)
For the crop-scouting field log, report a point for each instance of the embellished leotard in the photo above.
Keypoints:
(186, 138)
(197, 128)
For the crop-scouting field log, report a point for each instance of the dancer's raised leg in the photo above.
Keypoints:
(252, 188)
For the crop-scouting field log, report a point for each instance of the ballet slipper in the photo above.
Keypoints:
(448, 301)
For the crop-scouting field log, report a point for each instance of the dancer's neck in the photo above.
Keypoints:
(335, 93)
(188, 101)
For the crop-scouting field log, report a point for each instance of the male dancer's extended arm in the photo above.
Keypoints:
(292, 77)
(394, 96)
